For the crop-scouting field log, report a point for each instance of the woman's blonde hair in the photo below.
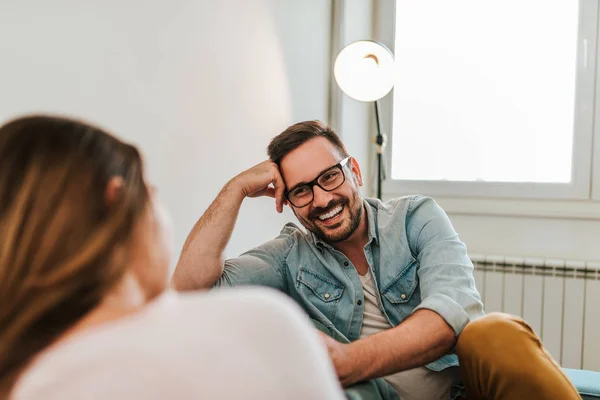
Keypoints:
(58, 232)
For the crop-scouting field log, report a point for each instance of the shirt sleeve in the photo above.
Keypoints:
(262, 266)
(445, 270)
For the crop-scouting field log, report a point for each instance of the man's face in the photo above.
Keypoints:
(334, 215)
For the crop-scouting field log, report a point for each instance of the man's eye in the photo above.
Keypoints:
(301, 191)
(329, 176)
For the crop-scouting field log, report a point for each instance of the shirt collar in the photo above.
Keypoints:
(372, 221)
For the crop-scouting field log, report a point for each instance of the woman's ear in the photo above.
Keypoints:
(113, 189)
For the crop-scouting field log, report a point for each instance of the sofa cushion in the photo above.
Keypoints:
(586, 382)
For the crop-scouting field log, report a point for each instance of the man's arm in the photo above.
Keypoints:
(420, 339)
(201, 262)
(449, 300)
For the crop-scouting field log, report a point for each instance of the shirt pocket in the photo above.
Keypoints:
(322, 291)
(403, 290)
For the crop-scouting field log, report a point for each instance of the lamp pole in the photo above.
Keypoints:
(380, 142)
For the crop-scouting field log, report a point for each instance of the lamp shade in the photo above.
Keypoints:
(364, 70)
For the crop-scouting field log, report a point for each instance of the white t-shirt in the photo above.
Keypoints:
(231, 344)
(413, 384)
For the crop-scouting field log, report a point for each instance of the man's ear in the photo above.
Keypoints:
(356, 171)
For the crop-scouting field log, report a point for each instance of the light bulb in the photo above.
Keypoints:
(364, 70)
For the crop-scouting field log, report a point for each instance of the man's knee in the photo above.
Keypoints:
(493, 335)
(501, 353)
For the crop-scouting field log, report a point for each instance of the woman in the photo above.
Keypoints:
(83, 274)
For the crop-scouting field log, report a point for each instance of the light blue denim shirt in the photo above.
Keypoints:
(414, 254)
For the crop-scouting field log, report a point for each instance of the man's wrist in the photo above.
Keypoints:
(355, 364)
(235, 188)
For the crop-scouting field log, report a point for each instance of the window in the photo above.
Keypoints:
(494, 98)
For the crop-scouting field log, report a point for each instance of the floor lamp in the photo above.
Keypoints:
(364, 70)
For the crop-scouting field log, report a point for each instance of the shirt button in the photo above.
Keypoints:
(345, 263)
(359, 302)
(326, 295)
(403, 296)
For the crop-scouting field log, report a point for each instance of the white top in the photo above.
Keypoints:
(231, 344)
(413, 384)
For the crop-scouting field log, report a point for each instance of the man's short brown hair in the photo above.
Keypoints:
(298, 134)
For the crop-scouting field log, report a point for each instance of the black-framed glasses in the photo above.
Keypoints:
(328, 180)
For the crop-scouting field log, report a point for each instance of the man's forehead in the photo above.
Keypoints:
(304, 163)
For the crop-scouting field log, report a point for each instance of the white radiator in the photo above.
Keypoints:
(559, 299)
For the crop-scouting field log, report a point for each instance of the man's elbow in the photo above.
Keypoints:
(203, 275)
(448, 337)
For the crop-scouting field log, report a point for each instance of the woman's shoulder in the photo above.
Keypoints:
(175, 339)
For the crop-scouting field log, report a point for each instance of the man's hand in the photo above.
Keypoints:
(341, 358)
(263, 179)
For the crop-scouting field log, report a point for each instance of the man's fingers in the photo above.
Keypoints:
(269, 191)
(279, 192)
(260, 175)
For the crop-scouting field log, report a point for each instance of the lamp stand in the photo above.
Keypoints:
(380, 141)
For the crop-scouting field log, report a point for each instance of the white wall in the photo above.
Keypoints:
(200, 86)
(566, 239)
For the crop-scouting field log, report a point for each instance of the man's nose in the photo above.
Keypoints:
(321, 198)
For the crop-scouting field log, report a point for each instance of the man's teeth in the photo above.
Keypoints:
(331, 213)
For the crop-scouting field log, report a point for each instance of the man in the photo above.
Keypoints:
(392, 282)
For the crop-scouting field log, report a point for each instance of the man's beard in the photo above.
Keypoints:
(335, 237)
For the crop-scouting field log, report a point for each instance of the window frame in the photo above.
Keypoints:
(581, 186)
(595, 190)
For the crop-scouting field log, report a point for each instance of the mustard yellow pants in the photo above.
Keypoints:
(501, 358)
